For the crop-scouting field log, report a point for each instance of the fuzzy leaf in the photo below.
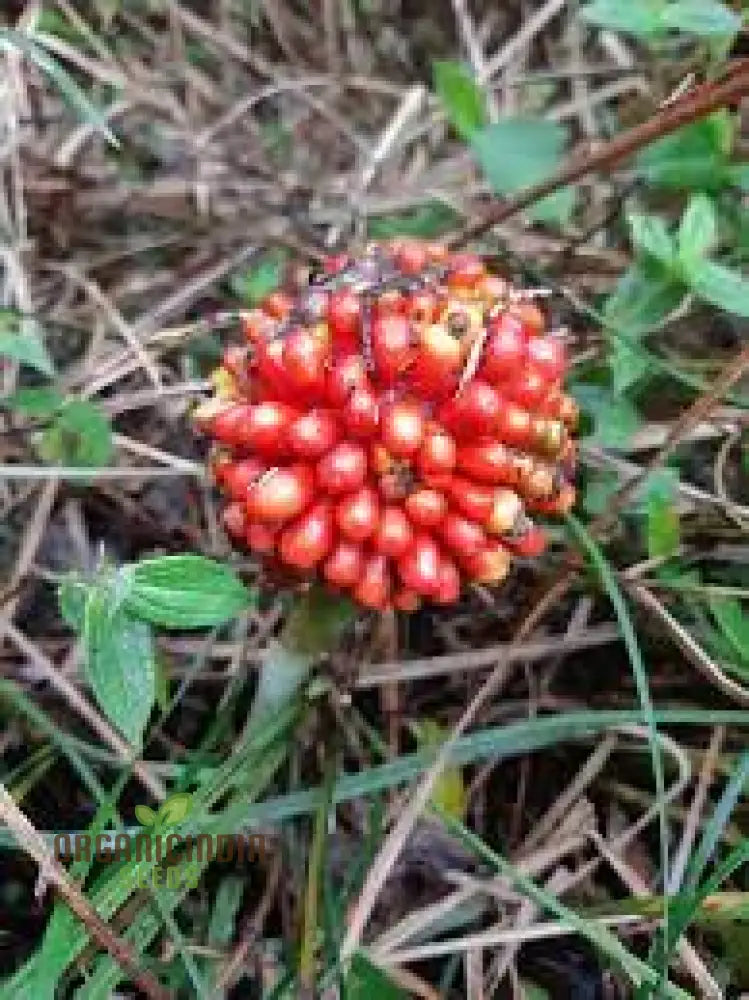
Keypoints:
(723, 287)
(81, 435)
(185, 591)
(698, 231)
(20, 340)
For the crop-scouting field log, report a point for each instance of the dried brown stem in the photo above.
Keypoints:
(696, 104)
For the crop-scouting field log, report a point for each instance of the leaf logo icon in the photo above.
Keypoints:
(145, 815)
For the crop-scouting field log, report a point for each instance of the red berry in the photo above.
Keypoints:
(266, 427)
(507, 507)
(238, 477)
(474, 412)
(530, 544)
(343, 469)
(312, 434)
(226, 425)
(504, 350)
(278, 305)
(394, 534)
(419, 567)
(489, 462)
(437, 453)
(411, 257)
(344, 318)
(356, 515)
(548, 356)
(531, 318)
(260, 538)
(343, 567)
(305, 357)
(426, 508)
(491, 565)
(464, 538)
(448, 582)
(529, 389)
(344, 376)
(390, 303)
(514, 425)
(392, 347)
(309, 539)
(361, 414)
(406, 600)
(437, 362)
(402, 428)
(473, 500)
(271, 369)
(281, 494)
(256, 325)
(373, 589)
(422, 307)
(466, 271)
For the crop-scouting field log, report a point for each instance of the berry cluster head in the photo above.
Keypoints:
(394, 428)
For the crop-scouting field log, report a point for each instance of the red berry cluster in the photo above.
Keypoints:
(392, 427)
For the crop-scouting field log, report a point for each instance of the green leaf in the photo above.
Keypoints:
(698, 231)
(366, 981)
(719, 285)
(628, 365)
(185, 591)
(145, 815)
(174, 809)
(614, 417)
(694, 157)
(518, 152)
(41, 401)
(649, 235)
(705, 18)
(32, 47)
(663, 527)
(119, 663)
(637, 17)
(254, 284)
(20, 340)
(461, 97)
(643, 297)
(81, 435)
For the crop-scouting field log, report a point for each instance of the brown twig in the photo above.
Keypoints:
(30, 840)
(694, 105)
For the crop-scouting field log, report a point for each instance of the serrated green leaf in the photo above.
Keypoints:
(461, 97)
(185, 591)
(643, 297)
(722, 287)
(650, 235)
(698, 231)
(517, 152)
(81, 435)
(41, 401)
(145, 815)
(20, 340)
(366, 981)
(119, 663)
(256, 282)
(705, 18)
(614, 417)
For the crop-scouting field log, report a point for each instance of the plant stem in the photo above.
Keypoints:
(313, 627)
